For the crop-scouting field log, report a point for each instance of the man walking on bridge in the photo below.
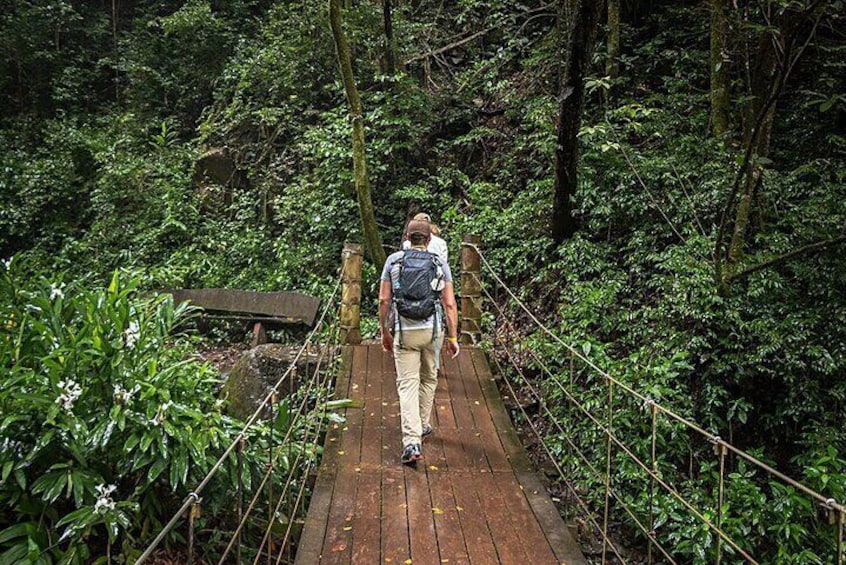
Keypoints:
(415, 298)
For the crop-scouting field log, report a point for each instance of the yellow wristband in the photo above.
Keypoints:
(452, 339)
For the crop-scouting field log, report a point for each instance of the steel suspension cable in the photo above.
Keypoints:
(258, 491)
(311, 463)
(829, 503)
(292, 467)
(292, 426)
(613, 437)
(565, 436)
(194, 496)
(557, 466)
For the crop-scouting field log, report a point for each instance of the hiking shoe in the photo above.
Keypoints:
(411, 454)
(427, 431)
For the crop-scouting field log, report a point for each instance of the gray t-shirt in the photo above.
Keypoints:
(391, 273)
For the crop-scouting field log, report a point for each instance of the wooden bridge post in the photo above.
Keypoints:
(471, 291)
(351, 294)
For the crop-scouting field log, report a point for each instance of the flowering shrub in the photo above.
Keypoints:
(102, 420)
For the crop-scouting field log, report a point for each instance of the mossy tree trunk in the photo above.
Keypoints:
(779, 48)
(390, 57)
(372, 238)
(612, 63)
(758, 124)
(580, 19)
(720, 85)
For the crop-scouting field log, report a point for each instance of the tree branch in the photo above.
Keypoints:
(804, 250)
(449, 47)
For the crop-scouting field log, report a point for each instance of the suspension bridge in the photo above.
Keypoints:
(318, 478)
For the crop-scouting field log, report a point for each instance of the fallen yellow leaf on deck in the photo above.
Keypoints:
(347, 528)
(432, 468)
(459, 508)
(341, 452)
(407, 562)
(437, 511)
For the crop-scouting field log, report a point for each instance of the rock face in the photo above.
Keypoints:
(218, 166)
(257, 370)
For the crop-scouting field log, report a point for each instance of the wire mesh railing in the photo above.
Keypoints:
(285, 435)
(616, 452)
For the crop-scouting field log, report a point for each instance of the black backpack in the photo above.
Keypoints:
(412, 293)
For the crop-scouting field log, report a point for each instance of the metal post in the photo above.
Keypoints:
(193, 514)
(653, 409)
(721, 450)
(607, 470)
(273, 415)
(239, 453)
(471, 291)
(350, 317)
(572, 368)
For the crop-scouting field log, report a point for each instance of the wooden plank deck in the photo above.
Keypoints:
(473, 499)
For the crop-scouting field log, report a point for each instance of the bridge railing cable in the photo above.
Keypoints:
(321, 378)
(513, 345)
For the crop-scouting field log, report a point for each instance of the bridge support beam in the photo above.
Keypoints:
(351, 294)
(471, 291)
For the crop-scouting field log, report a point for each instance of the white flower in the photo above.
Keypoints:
(123, 396)
(71, 391)
(160, 413)
(130, 335)
(104, 498)
(56, 292)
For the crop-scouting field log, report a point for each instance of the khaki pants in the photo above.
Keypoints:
(417, 378)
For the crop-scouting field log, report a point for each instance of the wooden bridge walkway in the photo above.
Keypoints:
(474, 498)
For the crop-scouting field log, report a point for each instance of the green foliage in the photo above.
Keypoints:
(103, 118)
(106, 424)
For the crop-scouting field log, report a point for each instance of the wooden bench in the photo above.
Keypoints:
(263, 309)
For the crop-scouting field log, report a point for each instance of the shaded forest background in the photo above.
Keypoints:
(207, 144)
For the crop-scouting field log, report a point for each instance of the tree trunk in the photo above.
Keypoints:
(720, 91)
(612, 63)
(372, 239)
(581, 35)
(779, 48)
(758, 125)
(390, 57)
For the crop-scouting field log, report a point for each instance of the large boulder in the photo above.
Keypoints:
(258, 369)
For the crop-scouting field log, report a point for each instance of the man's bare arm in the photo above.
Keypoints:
(384, 304)
(385, 294)
(450, 310)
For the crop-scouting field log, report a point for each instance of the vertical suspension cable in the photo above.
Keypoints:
(239, 497)
(193, 496)
(653, 464)
(607, 469)
(836, 507)
(721, 452)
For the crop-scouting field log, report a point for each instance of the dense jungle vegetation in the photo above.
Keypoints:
(663, 181)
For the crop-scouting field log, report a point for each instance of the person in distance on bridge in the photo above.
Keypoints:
(436, 244)
(416, 297)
